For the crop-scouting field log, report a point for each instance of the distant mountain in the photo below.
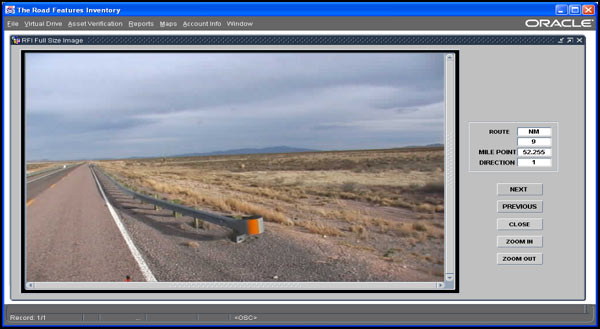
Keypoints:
(421, 146)
(273, 149)
(264, 150)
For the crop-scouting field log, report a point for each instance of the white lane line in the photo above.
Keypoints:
(134, 251)
(52, 173)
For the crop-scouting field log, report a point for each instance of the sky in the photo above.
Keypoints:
(118, 105)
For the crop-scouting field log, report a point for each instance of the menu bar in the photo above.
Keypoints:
(300, 23)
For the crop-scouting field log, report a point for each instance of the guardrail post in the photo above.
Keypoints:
(155, 206)
(248, 226)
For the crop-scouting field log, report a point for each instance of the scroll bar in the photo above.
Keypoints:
(449, 169)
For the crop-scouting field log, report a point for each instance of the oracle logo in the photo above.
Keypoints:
(560, 23)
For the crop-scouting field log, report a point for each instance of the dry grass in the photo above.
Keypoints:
(320, 227)
(420, 227)
(433, 187)
(253, 209)
(191, 244)
(362, 222)
(425, 207)
(195, 197)
(360, 230)
(373, 201)
(357, 246)
(304, 189)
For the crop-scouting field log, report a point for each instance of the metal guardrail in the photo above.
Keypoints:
(43, 171)
(242, 228)
(55, 168)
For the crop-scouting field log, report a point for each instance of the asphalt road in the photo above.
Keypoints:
(39, 183)
(70, 233)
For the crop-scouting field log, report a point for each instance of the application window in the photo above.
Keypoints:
(299, 164)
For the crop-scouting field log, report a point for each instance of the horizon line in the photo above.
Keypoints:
(206, 154)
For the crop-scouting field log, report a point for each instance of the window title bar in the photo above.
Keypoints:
(292, 9)
(567, 40)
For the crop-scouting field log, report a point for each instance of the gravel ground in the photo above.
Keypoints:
(176, 251)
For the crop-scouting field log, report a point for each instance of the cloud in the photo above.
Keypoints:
(94, 105)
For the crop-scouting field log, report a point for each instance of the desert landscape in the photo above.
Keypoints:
(388, 204)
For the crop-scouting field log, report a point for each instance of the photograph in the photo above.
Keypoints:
(333, 160)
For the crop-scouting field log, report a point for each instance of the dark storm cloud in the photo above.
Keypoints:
(88, 105)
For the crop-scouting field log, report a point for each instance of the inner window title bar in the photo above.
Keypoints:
(286, 9)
